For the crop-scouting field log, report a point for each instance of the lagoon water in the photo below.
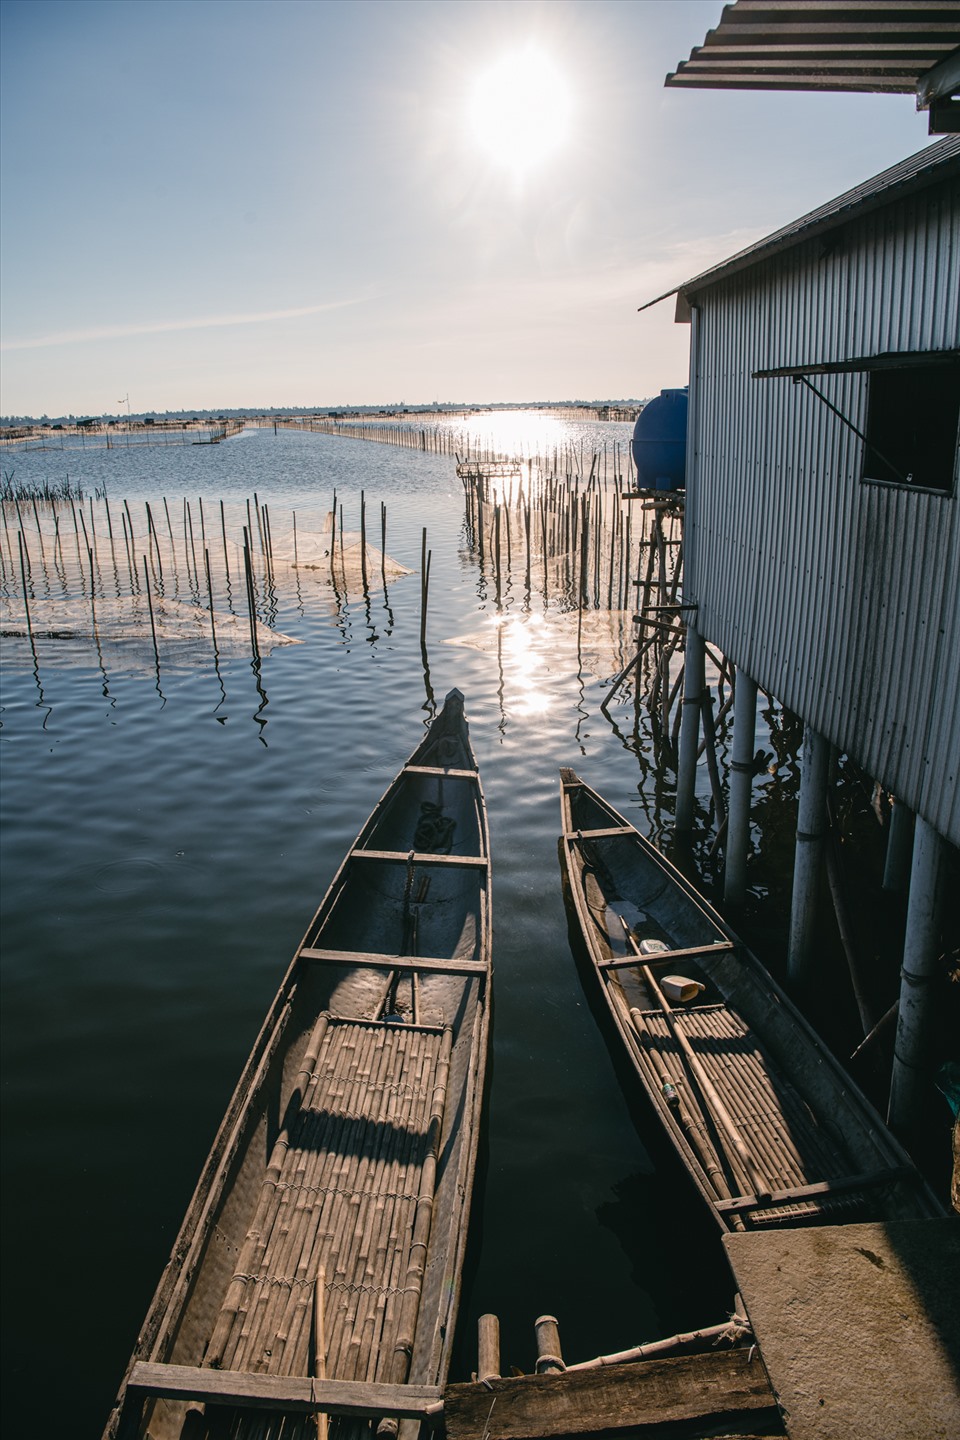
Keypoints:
(166, 836)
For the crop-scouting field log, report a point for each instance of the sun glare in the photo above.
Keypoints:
(520, 110)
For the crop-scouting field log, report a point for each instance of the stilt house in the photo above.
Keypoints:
(822, 531)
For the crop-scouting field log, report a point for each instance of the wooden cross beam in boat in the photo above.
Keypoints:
(663, 957)
(395, 962)
(301, 1394)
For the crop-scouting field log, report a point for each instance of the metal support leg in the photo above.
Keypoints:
(693, 680)
(811, 825)
(896, 870)
(741, 787)
(908, 1083)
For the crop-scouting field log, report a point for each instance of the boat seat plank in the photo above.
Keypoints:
(395, 962)
(423, 857)
(572, 835)
(441, 770)
(283, 1392)
(820, 1189)
(662, 957)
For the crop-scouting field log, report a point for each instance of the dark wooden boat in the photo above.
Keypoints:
(318, 1268)
(771, 1129)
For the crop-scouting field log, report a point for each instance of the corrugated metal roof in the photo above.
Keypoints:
(865, 45)
(939, 161)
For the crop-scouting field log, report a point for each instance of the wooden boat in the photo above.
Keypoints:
(770, 1128)
(318, 1268)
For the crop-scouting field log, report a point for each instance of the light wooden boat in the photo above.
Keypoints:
(317, 1271)
(770, 1128)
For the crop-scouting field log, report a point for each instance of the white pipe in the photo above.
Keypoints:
(896, 868)
(909, 1083)
(694, 658)
(693, 679)
(811, 825)
(741, 787)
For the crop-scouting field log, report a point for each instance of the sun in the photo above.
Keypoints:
(520, 110)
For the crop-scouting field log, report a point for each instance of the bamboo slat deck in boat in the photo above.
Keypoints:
(769, 1114)
(340, 1198)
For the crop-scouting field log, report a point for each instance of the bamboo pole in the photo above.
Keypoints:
(734, 1330)
(26, 601)
(363, 541)
(549, 1358)
(153, 628)
(319, 1344)
(488, 1348)
(251, 601)
(424, 586)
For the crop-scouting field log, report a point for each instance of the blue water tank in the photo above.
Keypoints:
(660, 442)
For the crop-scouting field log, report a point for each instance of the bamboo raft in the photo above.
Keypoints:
(770, 1128)
(318, 1268)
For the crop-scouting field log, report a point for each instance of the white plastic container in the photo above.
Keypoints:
(679, 987)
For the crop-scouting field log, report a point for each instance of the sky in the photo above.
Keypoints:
(232, 203)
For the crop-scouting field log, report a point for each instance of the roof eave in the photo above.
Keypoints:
(796, 235)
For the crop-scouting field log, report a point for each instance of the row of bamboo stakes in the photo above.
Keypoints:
(126, 435)
(572, 535)
(568, 529)
(611, 461)
(146, 560)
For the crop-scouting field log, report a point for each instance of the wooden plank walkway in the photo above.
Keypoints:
(719, 1393)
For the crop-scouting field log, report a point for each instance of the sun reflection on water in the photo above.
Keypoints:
(520, 644)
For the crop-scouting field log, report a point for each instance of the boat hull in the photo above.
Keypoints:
(325, 1238)
(767, 1124)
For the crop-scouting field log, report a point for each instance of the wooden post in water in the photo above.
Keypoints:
(488, 1348)
(223, 531)
(26, 600)
(424, 586)
(213, 628)
(363, 541)
(251, 597)
(153, 627)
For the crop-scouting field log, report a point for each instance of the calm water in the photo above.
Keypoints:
(166, 838)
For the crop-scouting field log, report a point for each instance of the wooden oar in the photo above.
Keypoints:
(715, 1105)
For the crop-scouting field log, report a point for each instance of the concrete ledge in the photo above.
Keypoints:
(858, 1325)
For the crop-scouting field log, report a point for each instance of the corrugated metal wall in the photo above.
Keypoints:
(840, 598)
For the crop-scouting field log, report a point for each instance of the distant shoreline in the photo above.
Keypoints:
(25, 428)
